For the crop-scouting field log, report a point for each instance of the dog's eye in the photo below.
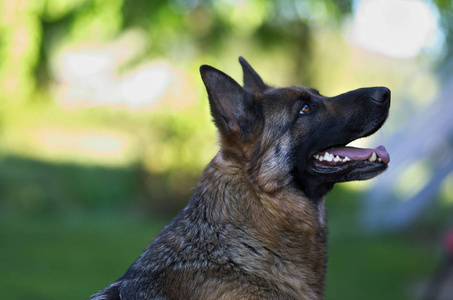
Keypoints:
(305, 109)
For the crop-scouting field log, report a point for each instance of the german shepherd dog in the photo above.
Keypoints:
(255, 227)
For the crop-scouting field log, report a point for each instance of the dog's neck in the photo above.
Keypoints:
(285, 205)
(286, 222)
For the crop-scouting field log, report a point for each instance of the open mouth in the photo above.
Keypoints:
(349, 163)
(341, 155)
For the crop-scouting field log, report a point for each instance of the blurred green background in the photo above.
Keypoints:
(105, 126)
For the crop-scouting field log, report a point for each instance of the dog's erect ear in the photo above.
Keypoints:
(252, 80)
(231, 105)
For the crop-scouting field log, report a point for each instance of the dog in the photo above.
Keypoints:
(255, 227)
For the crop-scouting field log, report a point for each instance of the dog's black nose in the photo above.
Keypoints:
(380, 95)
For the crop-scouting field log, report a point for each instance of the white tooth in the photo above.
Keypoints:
(316, 156)
(373, 157)
(379, 159)
(346, 159)
(321, 158)
(337, 159)
(331, 156)
(327, 156)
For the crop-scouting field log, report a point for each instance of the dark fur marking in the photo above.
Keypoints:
(255, 225)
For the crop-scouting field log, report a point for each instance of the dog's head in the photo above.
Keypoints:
(295, 136)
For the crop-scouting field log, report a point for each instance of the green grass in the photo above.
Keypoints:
(384, 267)
(48, 258)
(67, 231)
(364, 266)
(43, 258)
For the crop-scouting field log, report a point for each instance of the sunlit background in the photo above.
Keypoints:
(105, 128)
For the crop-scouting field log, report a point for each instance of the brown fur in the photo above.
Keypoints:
(255, 227)
(287, 230)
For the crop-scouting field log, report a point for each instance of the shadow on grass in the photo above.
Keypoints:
(66, 230)
(38, 187)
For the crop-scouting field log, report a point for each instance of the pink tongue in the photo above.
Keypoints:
(361, 153)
